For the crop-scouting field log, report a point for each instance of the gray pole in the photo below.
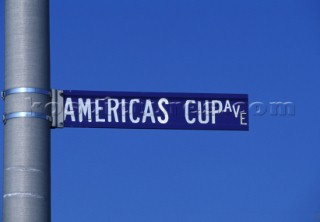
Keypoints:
(26, 185)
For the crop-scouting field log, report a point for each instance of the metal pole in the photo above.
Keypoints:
(26, 185)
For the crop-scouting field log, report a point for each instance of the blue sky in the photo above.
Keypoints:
(267, 49)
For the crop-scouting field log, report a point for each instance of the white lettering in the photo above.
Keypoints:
(165, 113)
(242, 118)
(97, 109)
(123, 110)
(148, 112)
(113, 110)
(228, 106)
(215, 111)
(68, 110)
(186, 112)
(132, 101)
(206, 111)
(84, 109)
(236, 111)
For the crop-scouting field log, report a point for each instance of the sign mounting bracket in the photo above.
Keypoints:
(57, 110)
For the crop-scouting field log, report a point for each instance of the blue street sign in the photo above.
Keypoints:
(143, 110)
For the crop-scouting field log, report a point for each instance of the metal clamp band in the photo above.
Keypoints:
(8, 116)
(25, 90)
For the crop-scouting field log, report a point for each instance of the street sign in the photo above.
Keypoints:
(144, 110)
